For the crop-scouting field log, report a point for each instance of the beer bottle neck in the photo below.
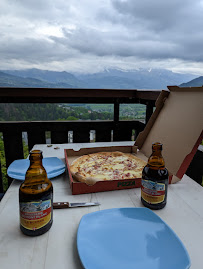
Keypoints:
(35, 162)
(156, 159)
(35, 157)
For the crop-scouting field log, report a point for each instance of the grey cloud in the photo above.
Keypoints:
(159, 17)
(34, 51)
(140, 30)
(36, 4)
(165, 29)
(156, 14)
(125, 44)
(37, 10)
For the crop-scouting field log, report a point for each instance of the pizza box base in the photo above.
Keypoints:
(81, 187)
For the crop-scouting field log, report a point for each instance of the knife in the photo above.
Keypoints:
(59, 205)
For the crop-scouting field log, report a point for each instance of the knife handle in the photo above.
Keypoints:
(59, 205)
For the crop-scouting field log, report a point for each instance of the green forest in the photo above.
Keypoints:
(3, 163)
(45, 112)
(3, 160)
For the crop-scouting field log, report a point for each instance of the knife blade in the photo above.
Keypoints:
(59, 205)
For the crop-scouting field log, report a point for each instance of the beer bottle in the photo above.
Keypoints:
(36, 198)
(154, 180)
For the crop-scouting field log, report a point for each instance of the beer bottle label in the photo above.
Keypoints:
(152, 192)
(35, 215)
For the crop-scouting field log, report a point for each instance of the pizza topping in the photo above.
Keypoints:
(106, 166)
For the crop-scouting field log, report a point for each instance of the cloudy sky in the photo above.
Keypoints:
(90, 35)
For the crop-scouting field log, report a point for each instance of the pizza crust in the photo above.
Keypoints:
(104, 166)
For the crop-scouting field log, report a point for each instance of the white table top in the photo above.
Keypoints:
(57, 248)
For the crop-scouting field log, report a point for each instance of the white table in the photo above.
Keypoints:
(57, 248)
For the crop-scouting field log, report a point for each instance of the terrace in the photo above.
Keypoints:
(57, 248)
(115, 130)
(105, 131)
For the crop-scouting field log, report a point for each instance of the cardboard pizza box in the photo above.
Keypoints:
(178, 126)
(80, 187)
(176, 123)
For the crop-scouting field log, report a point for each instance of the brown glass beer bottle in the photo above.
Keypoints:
(36, 198)
(154, 180)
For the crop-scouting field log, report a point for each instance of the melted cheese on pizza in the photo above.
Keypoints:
(109, 167)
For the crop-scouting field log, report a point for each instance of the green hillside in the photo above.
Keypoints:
(7, 80)
(45, 112)
(55, 77)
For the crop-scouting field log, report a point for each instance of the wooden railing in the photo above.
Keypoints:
(114, 130)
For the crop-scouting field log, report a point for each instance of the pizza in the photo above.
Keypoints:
(104, 166)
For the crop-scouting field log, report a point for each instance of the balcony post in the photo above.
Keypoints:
(149, 110)
(116, 110)
(116, 120)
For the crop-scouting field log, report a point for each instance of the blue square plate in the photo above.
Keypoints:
(129, 238)
(53, 166)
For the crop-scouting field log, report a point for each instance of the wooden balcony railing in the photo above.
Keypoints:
(105, 131)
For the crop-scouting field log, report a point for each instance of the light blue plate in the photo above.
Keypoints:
(53, 166)
(129, 238)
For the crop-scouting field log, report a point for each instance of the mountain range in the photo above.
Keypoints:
(135, 79)
(197, 82)
(8, 80)
(107, 79)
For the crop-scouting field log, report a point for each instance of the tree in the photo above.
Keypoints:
(72, 118)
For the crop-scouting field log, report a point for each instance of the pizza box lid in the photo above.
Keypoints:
(177, 124)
